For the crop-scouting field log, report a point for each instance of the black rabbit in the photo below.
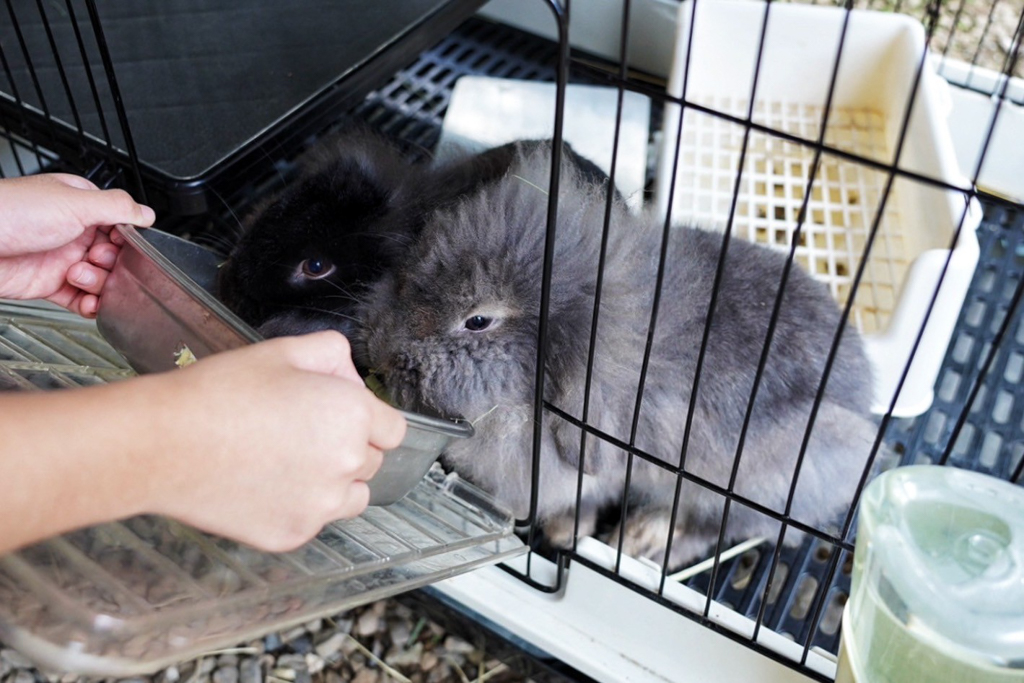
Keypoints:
(452, 330)
(306, 255)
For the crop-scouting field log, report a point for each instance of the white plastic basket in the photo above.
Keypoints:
(880, 58)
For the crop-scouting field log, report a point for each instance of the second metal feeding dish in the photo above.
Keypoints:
(158, 311)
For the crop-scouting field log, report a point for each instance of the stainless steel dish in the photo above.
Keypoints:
(158, 303)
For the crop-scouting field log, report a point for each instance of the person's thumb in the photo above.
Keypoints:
(110, 207)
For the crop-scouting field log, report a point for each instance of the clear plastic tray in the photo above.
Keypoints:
(159, 300)
(132, 597)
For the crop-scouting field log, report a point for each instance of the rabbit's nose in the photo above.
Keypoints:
(402, 369)
(407, 368)
(389, 363)
(403, 362)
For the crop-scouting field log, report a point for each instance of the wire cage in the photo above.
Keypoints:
(836, 152)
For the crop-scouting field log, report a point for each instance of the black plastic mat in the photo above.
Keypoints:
(985, 423)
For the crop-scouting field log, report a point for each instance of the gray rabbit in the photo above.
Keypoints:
(452, 330)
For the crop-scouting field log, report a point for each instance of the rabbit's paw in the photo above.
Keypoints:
(560, 529)
(646, 534)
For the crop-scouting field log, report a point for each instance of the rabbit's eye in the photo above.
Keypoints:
(316, 268)
(478, 323)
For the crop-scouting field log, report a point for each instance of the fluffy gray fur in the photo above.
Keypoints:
(483, 257)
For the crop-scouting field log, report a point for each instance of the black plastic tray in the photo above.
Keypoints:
(271, 73)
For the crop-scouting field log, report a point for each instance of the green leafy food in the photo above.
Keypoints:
(374, 384)
(184, 357)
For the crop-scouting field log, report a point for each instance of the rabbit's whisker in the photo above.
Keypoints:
(330, 312)
(399, 239)
(474, 422)
(238, 221)
(536, 187)
(344, 290)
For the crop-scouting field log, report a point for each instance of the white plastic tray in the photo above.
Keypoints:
(881, 55)
(487, 112)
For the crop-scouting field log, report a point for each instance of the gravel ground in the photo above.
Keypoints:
(381, 642)
(974, 31)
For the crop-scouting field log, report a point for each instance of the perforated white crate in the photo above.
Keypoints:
(873, 88)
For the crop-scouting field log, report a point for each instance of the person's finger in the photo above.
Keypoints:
(72, 181)
(66, 297)
(148, 217)
(102, 234)
(75, 300)
(387, 426)
(355, 499)
(88, 305)
(108, 206)
(103, 254)
(327, 352)
(371, 464)
(87, 277)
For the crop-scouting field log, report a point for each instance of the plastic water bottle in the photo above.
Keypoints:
(938, 581)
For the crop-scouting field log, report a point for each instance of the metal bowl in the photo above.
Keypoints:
(158, 303)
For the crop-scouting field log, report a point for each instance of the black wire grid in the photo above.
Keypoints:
(977, 418)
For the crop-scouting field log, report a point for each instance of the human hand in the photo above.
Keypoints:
(268, 443)
(56, 241)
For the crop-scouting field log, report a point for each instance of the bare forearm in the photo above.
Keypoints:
(263, 445)
(72, 458)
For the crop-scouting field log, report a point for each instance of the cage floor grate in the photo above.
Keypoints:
(43, 350)
(840, 211)
(412, 104)
(992, 437)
